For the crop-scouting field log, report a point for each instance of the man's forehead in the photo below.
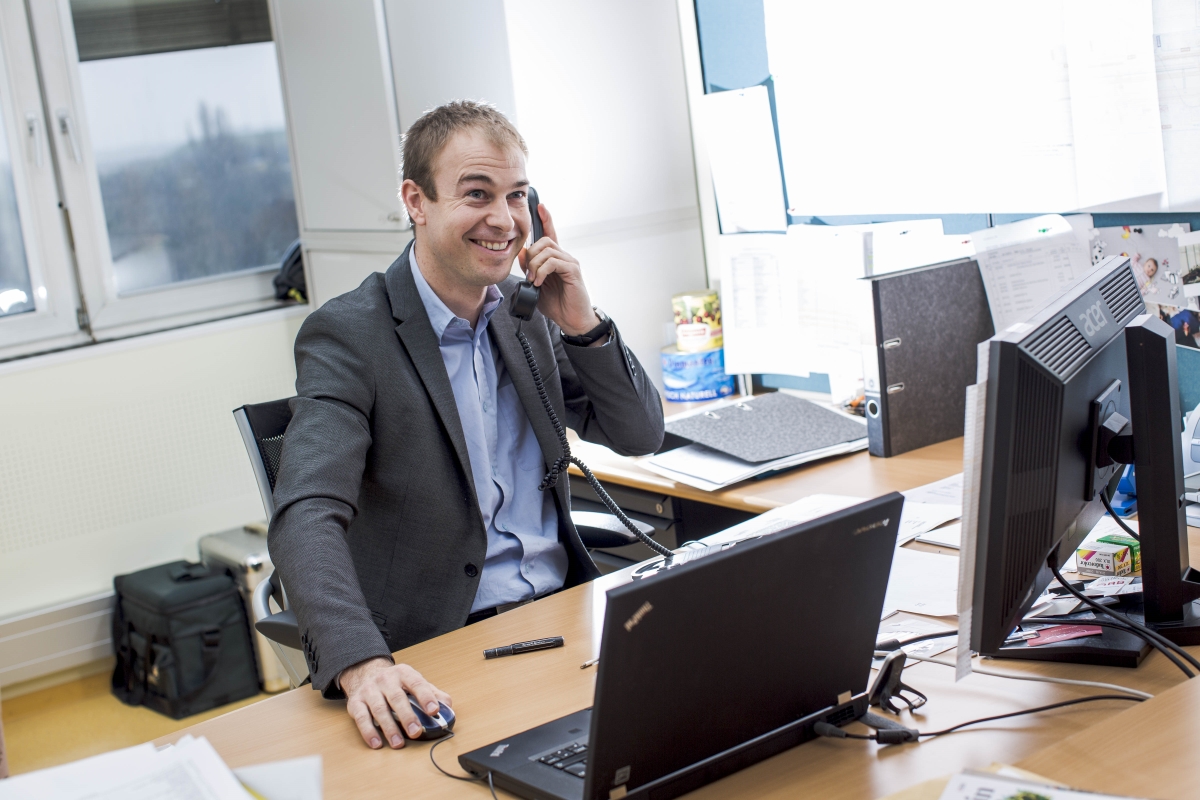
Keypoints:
(471, 155)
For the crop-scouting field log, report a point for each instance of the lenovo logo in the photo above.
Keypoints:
(1093, 319)
(642, 611)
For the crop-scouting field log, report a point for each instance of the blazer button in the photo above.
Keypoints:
(471, 570)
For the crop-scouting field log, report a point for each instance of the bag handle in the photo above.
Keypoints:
(188, 572)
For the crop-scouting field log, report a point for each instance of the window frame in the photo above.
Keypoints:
(111, 315)
(54, 323)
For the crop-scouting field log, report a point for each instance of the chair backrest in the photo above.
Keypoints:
(263, 426)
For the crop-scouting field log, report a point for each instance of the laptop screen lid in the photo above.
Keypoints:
(709, 655)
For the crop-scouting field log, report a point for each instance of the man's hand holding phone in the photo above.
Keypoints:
(375, 688)
(565, 299)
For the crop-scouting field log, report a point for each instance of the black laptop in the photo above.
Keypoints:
(786, 623)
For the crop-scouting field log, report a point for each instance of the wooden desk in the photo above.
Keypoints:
(497, 698)
(854, 474)
(1147, 751)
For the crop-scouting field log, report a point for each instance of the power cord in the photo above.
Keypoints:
(1151, 637)
(1108, 507)
(902, 735)
(561, 464)
(469, 779)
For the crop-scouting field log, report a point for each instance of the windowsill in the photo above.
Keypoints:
(138, 341)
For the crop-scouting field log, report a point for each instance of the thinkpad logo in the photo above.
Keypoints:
(645, 609)
(499, 751)
(883, 523)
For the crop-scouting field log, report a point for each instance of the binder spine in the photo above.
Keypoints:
(874, 383)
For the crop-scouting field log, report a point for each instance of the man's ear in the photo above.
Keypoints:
(414, 200)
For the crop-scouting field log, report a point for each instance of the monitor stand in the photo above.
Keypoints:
(1112, 648)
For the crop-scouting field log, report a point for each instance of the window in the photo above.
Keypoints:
(166, 144)
(16, 292)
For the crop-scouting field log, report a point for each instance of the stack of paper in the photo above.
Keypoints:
(744, 437)
(189, 770)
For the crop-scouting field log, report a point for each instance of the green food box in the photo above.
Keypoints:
(1133, 544)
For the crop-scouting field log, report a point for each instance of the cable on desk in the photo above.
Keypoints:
(894, 644)
(902, 735)
(1152, 637)
(1039, 678)
(468, 778)
(1108, 507)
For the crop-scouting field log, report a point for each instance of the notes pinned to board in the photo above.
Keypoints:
(739, 135)
(1026, 264)
(794, 304)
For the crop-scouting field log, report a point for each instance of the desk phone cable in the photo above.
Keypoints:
(566, 459)
(468, 778)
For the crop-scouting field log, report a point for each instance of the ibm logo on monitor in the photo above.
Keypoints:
(1093, 319)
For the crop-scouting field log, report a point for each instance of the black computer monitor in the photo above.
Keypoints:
(1054, 382)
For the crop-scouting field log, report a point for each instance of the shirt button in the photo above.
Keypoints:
(471, 570)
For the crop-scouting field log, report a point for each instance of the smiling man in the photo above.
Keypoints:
(407, 500)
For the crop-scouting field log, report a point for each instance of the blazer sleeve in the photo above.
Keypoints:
(316, 496)
(610, 399)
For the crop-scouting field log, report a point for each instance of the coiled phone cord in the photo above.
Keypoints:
(565, 459)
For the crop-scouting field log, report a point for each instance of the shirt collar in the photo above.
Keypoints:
(440, 315)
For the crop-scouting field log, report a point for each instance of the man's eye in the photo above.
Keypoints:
(476, 194)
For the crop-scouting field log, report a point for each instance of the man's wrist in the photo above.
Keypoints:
(598, 332)
(354, 669)
(580, 329)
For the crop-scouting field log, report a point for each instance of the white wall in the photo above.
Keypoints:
(120, 456)
(602, 105)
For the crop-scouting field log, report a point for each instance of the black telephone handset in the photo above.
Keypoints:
(525, 298)
(522, 305)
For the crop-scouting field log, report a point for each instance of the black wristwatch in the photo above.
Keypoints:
(594, 334)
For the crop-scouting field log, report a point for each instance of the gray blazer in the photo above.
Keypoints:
(377, 533)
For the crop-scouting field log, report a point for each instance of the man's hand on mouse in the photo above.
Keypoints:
(377, 687)
(565, 300)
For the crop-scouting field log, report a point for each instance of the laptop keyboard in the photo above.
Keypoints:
(571, 760)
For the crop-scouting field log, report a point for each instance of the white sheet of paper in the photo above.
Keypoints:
(923, 583)
(1109, 47)
(1026, 264)
(919, 518)
(294, 779)
(893, 253)
(739, 135)
(1039, 120)
(908, 627)
(947, 491)
(945, 536)
(191, 770)
(1177, 62)
(759, 303)
(974, 785)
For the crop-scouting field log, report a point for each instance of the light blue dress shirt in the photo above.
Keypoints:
(524, 556)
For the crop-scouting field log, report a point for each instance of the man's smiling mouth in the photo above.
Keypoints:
(494, 246)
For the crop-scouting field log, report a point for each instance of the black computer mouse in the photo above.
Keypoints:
(432, 727)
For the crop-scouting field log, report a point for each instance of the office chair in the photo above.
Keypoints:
(263, 426)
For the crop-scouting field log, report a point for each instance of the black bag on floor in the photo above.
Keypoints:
(181, 640)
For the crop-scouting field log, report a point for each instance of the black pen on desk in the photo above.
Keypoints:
(524, 647)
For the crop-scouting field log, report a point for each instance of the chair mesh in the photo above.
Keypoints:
(272, 449)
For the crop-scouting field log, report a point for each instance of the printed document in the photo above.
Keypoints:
(739, 135)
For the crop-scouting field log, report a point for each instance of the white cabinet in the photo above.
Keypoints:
(337, 79)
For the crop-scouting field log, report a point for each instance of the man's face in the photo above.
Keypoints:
(481, 219)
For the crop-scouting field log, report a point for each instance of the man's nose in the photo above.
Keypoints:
(500, 215)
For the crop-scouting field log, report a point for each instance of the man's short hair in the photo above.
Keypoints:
(427, 137)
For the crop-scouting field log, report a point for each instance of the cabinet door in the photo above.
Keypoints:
(341, 106)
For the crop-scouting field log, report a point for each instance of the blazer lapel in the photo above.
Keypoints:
(416, 334)
(503, 329)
